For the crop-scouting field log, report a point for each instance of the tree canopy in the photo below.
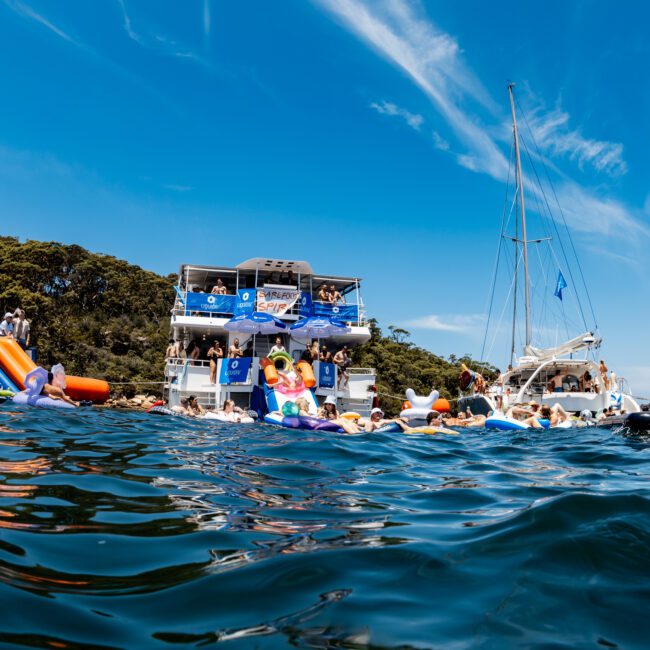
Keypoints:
(100, 316)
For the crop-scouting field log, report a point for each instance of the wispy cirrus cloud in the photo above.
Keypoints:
(554, 136)
(446, 322)
(27, 12)
(399, 32)
(158, 42)
(388, 108)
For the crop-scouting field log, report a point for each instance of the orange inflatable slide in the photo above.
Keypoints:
(16, 364)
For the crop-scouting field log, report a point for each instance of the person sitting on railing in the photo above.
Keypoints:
(214, 354)
(278, 347)
(335, 295)
(219, 288)
(234, 351)
(343, 362)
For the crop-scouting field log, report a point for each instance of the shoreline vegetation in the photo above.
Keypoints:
(105, 318)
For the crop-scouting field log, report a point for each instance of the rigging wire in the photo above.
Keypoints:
(564, 255)
(566, 226)
(496, 264)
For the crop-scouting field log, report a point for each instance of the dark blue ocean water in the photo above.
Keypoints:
(130, 530)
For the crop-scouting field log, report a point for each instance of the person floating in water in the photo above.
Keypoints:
(56, 392)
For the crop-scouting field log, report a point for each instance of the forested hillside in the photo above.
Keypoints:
(99, 316)
(102, 317)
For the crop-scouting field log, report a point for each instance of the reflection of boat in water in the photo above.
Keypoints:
(567, 373)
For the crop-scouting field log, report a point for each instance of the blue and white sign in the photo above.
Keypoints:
(305, 305)
(245, 302)
(234, 371)
(326, 374)
(341, 312)
(209, 302)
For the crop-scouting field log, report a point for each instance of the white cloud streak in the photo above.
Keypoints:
(27, 12)
(432, 60)
(553, 135)
(158, 43)
(388, 108)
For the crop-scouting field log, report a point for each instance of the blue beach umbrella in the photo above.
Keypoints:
(256, 323)
(318, 327)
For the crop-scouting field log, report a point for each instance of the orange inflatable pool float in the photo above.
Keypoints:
(16, 363)
(441, 405)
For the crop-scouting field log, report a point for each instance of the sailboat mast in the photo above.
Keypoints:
(524, 241)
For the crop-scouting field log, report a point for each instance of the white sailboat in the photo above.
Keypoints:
(568, 373)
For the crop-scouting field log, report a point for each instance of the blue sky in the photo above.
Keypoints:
(370, 137)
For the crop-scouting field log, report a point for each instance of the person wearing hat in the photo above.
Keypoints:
(328, 410)
(377, 420)
(7, 325)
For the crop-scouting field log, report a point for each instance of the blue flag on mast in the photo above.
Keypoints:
(561, 284)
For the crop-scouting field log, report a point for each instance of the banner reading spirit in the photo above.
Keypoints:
(276, 301)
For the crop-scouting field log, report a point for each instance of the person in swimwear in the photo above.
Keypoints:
(56, 392)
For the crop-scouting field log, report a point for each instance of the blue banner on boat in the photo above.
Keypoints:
(326, 373)
(245, 302)
(234, 371)
(305, 305)
(209, 302)
(342, 312)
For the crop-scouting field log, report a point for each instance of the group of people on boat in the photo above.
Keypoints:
(330, 295)
(14, 325)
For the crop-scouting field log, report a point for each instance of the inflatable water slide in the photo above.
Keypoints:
(15, 365)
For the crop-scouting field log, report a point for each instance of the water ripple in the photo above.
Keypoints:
(124, 530)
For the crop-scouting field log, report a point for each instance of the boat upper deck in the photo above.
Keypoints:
(206, 296)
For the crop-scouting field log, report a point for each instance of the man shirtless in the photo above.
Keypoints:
(324, 294)
(335, 295)
(555, 382)
(234, 351)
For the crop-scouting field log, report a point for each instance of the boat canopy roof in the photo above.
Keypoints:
(582, 342)
(274, 266)
(267, 269)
